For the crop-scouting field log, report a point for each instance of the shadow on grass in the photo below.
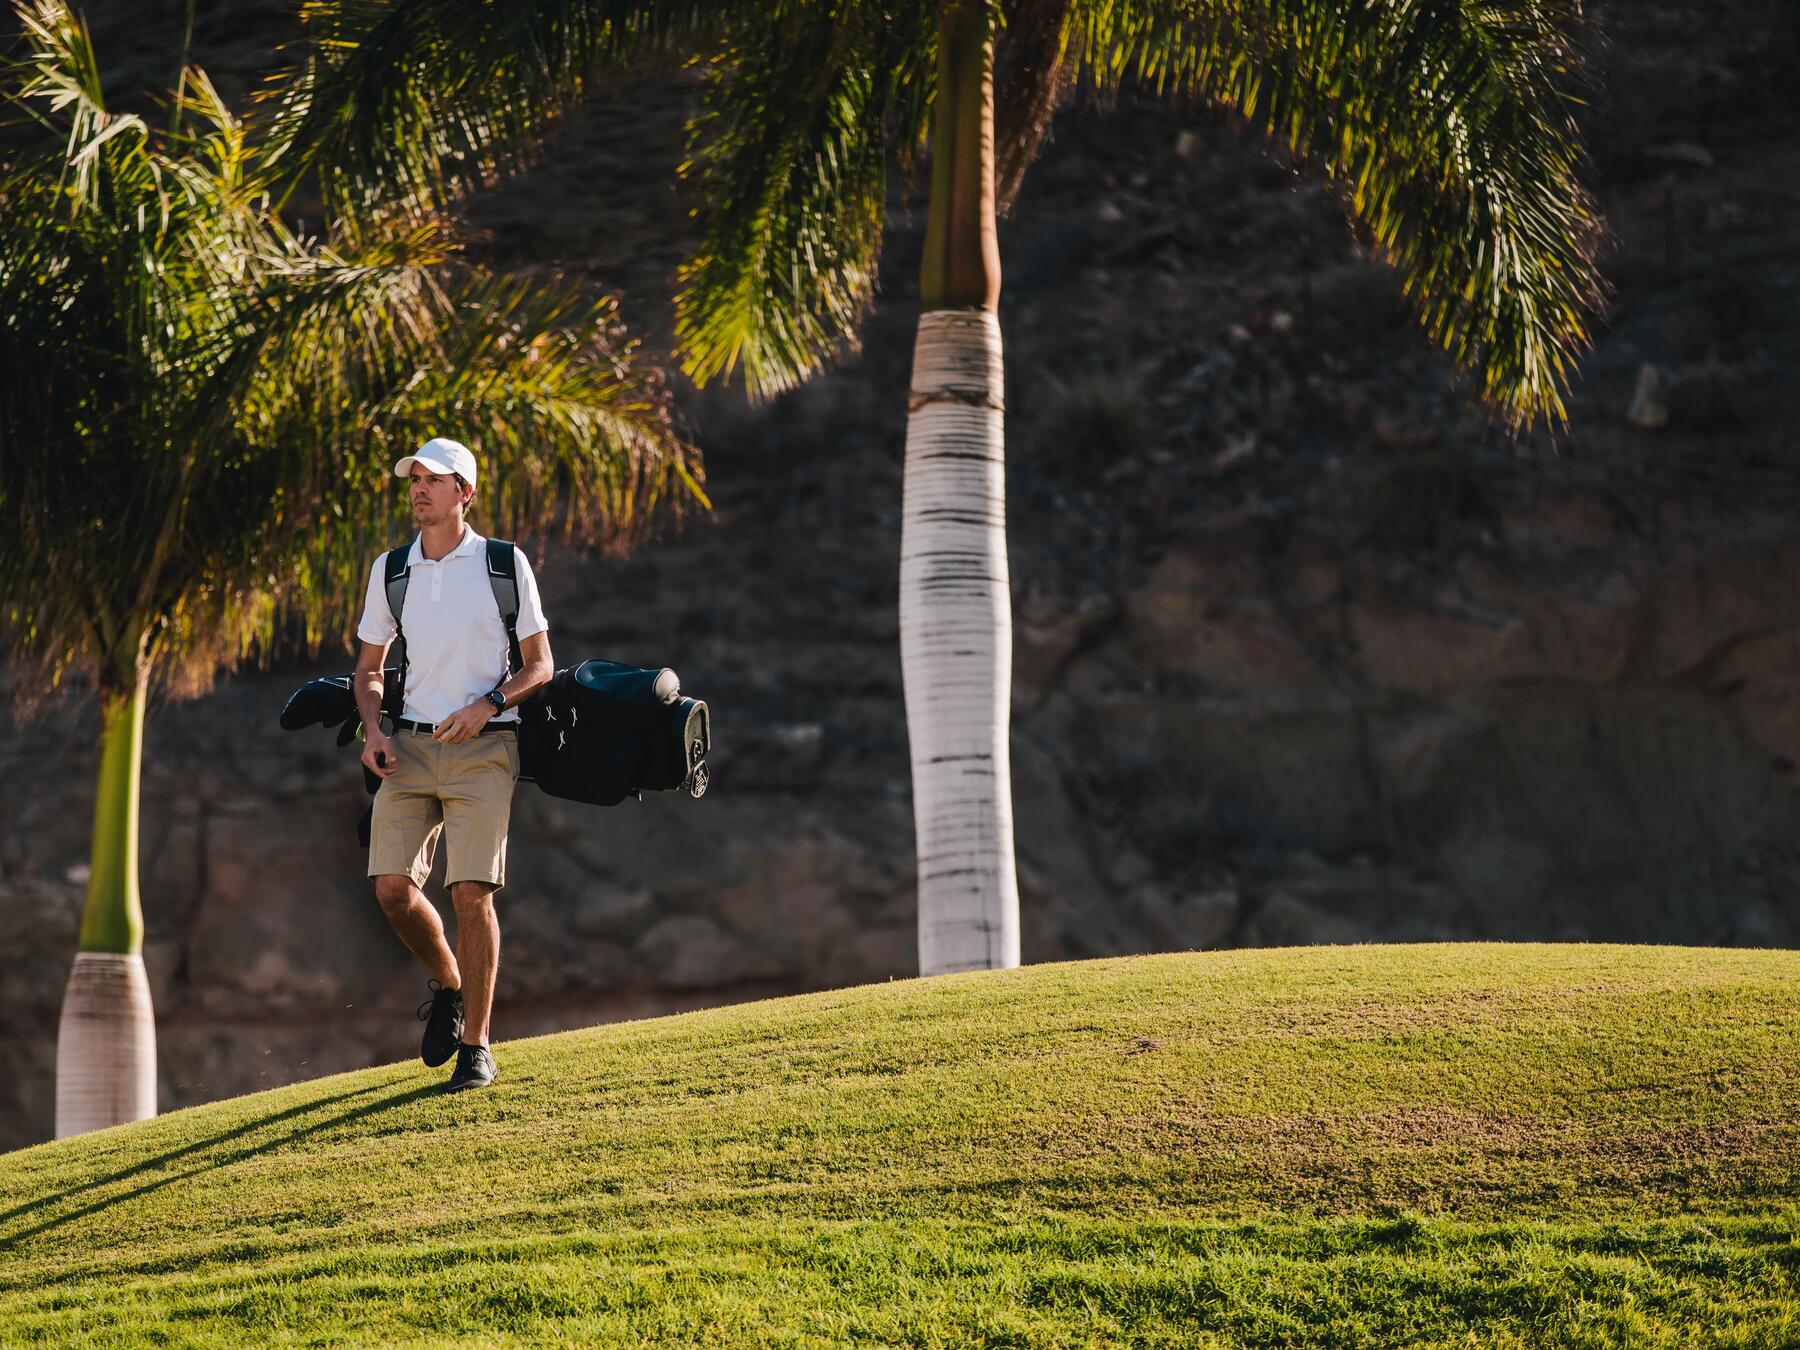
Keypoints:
(9, 1241)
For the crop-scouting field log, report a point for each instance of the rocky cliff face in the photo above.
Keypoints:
(1305, 652)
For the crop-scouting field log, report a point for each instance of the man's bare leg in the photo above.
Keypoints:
(416, 922)
(477, 953)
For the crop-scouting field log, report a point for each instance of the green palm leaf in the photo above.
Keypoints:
(413, 102)
(790, 155)
(1450, 127)
(201, 404)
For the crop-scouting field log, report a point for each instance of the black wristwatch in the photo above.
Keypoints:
(498, 699)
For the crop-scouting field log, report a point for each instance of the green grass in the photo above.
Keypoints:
(1433, 1145)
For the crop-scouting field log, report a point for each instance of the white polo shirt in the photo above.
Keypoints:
(455, 639)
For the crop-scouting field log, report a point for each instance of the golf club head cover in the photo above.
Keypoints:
(327, 702)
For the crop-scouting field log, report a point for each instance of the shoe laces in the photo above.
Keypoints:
(438, 993)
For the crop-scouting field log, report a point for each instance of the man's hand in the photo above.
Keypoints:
(378, 753)
(464, 723)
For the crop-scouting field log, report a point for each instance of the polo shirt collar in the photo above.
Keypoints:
(470, 542)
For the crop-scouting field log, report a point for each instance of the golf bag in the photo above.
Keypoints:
(602, 731)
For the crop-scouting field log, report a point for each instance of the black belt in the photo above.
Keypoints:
(427, 728)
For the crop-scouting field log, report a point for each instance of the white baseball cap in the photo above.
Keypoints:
(440, 454)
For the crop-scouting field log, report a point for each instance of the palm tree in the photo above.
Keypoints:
(1448, 126)
(197, 408)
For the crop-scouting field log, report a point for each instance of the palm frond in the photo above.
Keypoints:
(57, 85)
(789, 159)
(1450, 126)
(418, 101)
(360, 357)
(1033, 73)
(201, 407)
(548, 384)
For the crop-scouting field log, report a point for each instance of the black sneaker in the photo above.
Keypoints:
(442, 1015)
(474, 1068)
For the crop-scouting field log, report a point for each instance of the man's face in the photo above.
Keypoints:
(436, 497)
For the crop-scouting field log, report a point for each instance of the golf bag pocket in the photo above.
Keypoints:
(603, 731)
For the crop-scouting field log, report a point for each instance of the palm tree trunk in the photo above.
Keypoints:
(106, 1043)
(955, 597)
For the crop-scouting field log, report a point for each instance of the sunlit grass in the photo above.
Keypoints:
(1477, 1145)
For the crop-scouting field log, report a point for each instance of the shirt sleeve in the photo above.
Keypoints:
(531, 605)
(377, 627)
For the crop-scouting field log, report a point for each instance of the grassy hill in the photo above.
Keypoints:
(1455, 1145)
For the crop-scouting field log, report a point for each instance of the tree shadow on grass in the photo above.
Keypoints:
(9, 1241)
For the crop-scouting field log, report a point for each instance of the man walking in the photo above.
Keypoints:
(448, 764)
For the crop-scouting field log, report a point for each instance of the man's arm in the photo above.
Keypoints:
(378, 749)
(537, 672)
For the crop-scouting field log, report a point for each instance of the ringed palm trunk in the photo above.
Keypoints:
(955, 597)
(106, 1042)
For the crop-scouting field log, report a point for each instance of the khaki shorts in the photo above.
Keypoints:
(462, 791)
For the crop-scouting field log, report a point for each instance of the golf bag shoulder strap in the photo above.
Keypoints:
(395, 574)
(503, 576)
